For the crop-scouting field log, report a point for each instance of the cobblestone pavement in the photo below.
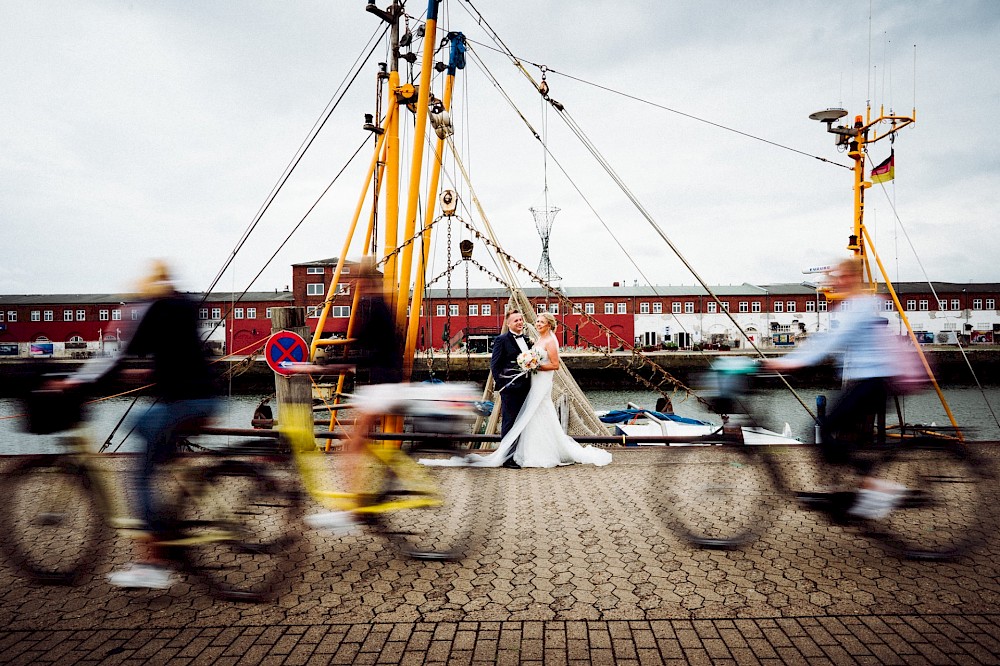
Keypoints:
(576, 566)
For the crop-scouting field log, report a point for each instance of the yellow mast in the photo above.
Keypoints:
(856, 138)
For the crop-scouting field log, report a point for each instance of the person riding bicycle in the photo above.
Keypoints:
(185, 393)
(870, 362)
(376, 351)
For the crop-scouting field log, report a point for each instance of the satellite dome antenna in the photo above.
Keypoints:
(543, 223)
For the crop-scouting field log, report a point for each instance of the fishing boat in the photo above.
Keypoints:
(401, 214)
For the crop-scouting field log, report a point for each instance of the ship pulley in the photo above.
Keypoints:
(449, 202)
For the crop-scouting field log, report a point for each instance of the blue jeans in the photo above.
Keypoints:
(157, 428)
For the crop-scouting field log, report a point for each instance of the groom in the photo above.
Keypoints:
(503, 366)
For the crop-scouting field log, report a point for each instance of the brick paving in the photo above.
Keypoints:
(576, 567)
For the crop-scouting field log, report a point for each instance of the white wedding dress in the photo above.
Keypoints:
(542, 440)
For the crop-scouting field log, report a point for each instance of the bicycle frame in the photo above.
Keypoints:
(297, 426)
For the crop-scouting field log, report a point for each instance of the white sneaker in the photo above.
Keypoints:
(147, 576)
(877, 504)
(337, 522)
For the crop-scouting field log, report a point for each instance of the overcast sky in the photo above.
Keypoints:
(138, 129)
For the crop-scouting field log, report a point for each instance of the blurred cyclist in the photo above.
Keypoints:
(869, 364)
(376, 351)
(185, 391)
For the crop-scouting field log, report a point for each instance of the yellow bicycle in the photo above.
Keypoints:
(429, 513)
(229, 518)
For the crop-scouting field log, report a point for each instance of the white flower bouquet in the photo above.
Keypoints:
(530, 360)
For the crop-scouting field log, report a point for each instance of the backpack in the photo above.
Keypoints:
(910, 374)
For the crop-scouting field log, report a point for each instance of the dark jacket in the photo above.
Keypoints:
(503, 363)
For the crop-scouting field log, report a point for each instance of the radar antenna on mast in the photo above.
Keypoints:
(543, 222)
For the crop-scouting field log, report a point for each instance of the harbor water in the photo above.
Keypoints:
(973, 410)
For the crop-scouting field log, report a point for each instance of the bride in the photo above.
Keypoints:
(542, 440)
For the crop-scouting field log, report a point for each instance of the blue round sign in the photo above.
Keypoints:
(283, 349)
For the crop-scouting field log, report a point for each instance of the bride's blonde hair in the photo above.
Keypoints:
(549, 319)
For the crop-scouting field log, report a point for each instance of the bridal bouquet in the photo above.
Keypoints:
(529, 361)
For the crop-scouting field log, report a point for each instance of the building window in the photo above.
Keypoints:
(48, 315)
(203, 313)
(135, 313)
(12, 315)
(942, 305)
(657, 308)
(315, 270)
(744, 306)
(977, 304)
(790, 306)
(711, 307)
(315, 289)
(487, 309)
(588, 308)
(779, 306)
(675, 308)
(689, 307)
(116, 315)
(313, 311)
(725, 306)
(67, 315)
(1, 315)
(473, 310)
(553, 308)
(755, 306)
(911, 304)
(75, 338)
(955, 304)
(216, 313)
(609, 308)
(81, 315)
(810, 306)
(441, 310)
(453, 310)
(343, 289)
(267, 313)
(251, 313)
(923, 304)
(990, 304)
(341, 311)
(237, 313)
(36, 315)
(104, 315)
(622, 308)
(644, 307)
(889, 306)
(577, 308)
(823, 305)
(541, 308)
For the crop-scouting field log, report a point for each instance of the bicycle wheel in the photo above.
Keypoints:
(432, 513)
(719, 496)
(235, 530)
(51, 520)
(940, 514)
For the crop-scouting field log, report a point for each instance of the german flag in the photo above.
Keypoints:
(886, 170)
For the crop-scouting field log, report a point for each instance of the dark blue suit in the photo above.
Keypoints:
(503, 366)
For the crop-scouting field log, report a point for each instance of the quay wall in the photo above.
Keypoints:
(590, 369)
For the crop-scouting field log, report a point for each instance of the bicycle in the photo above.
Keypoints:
(228, 517)
(427, 513)
(724, 490)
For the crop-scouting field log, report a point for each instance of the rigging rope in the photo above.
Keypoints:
(297, 158)
(592, 148)
(504, 50)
